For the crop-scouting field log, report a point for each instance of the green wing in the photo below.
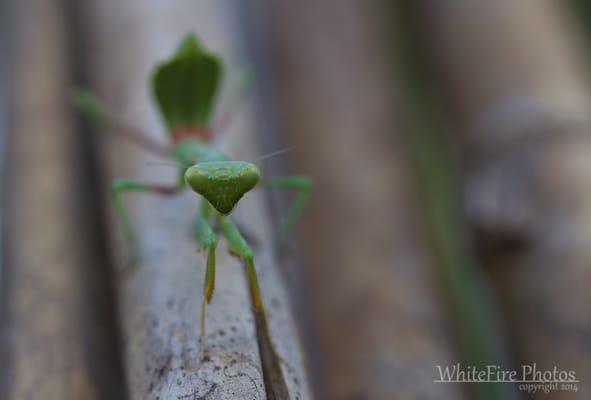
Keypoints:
(185, 86)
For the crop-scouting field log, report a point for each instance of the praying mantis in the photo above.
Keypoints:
(185, 87)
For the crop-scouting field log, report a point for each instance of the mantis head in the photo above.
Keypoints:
(222, 183)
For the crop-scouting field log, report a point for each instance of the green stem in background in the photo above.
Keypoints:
(580, 11)
(471, 309)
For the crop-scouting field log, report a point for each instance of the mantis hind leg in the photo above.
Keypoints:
(244, 84)
(239, 247)
(303, 185)
(119, 186)
(206, 239)
(90, 105)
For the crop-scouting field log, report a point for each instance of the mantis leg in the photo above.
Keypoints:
(244, 85)
(239, 247)
(101, 115)
(302, 184)
(119, 186)
(206, 239)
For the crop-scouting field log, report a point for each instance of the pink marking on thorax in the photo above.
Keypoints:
(185, 132)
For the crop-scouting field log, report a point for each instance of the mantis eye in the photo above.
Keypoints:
(249, 176)
(222, 183)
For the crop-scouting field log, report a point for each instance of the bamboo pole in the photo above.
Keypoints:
(58, 335)
(377, 322)
(516, 84)
(160, 300)
(4, 318)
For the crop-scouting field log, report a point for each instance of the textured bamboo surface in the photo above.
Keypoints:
(53, 286)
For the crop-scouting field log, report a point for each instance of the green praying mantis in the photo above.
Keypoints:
(185, 87)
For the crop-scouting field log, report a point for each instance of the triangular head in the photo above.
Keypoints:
(186, 84)
(222, 183)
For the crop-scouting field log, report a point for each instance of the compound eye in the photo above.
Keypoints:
(249, 177)
(197, 179)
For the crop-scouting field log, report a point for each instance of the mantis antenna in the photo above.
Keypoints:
(165, 164)
(263, 157)
(276, 153)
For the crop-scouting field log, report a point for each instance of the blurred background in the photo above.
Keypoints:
(449, 222)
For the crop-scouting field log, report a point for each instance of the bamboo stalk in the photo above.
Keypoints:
(161, 299)
(522, 102)
(476, 326)
(377, 323)
(58, 335)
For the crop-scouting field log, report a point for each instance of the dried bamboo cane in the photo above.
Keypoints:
(377, 322)
(52, 282)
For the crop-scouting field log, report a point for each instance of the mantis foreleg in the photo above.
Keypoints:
(206, 239)
(239, 247)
